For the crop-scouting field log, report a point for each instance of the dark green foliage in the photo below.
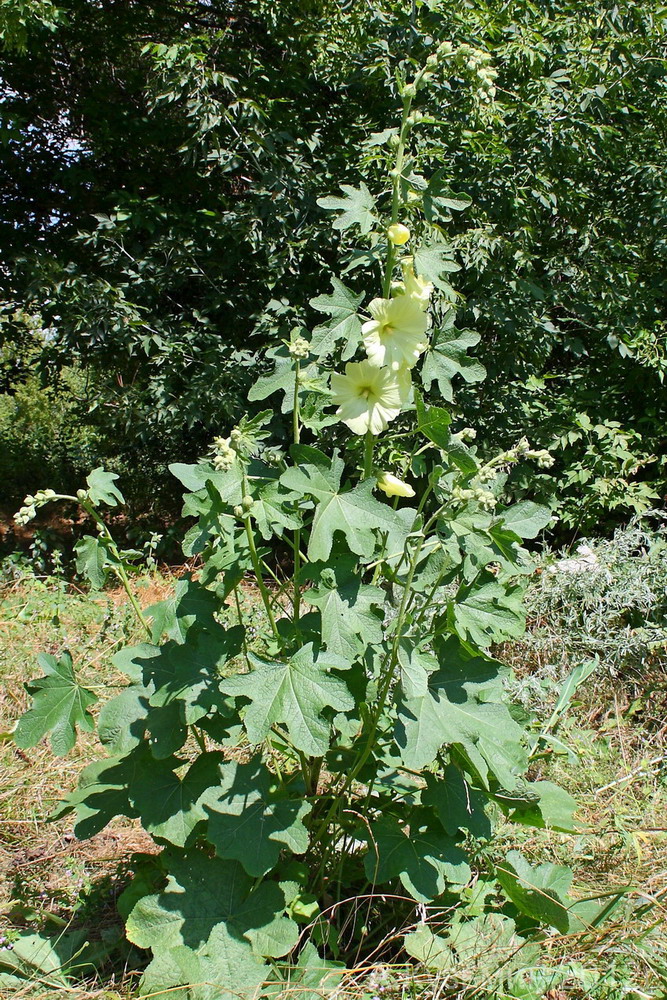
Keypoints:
(167, 167)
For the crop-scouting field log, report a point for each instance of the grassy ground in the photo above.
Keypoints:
(616, 769)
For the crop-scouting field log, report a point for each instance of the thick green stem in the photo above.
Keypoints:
(118, 569)
(396, 193)
(266, 598)
(369, 441)
(296, 592)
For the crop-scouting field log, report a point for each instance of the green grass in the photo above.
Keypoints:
(615, 768)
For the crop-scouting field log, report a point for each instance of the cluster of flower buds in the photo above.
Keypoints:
(31, 505)
(523, 449)
(243, 509)
(484, 498)
(477, 62)
(467, 435)
(224, 455)
(299, 348)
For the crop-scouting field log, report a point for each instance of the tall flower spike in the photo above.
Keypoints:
(369, 397)
(396, 335)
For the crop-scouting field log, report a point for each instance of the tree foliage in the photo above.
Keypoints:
(166, 169)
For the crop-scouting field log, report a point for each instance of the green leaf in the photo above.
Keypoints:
(430, 949)
(447, 358)
(190, 605)
(282, 379)
(439, 199)
(250, 820)
(102, 794)
(348, 608)
(129, 717)
(525, 519)
(541, 804)
(540, 892)
(354, 513)
(60, 704)
(433, 260)
(424, 860)
(270, 514)
(341, 306)
(357, 207)
(188, 673)
(101, 488)
(488, 613)
(171, 806)
(293, 694)
(416, 666)
(206, 927)
(433, 422)
(47, 959)
(486, 948)
(454, 712)
(91, 560)
(457, 805)
(312, 978)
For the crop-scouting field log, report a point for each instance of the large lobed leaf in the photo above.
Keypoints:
(209, 929)
(60, 704)
(294, 694)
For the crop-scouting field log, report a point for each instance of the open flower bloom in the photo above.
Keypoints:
(396, 335)
(416, 288)
(393, 486)
(369, 397)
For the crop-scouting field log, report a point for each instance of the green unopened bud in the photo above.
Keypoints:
(81, 495)
(394, 141)
(235, 435)
(413, 198)
(432, 61)
(239, 511)
(409, 90)
(247, 502)
(398, 234)
(445, 49)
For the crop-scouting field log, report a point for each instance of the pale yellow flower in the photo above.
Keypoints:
(416, 288)
(393, 486)
(398, 234)
(396, 335)
(369, 397)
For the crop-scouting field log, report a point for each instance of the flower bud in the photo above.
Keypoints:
(409, 90)
(432, 61)
(398, 234)
(299, 348)
(81, 495)
(393, 486)
(239, 511)
(247, 502)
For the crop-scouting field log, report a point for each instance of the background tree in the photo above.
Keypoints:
(162, 165)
